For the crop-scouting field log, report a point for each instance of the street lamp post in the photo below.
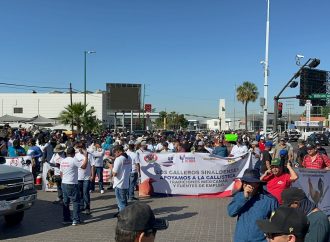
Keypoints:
(266, 72)
(85, 75)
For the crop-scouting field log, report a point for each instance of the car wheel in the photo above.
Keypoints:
(15, 218)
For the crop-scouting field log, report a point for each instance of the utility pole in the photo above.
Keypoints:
(71, 102)
(234, 126)
(144, 95)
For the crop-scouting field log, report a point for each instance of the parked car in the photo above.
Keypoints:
(17, 193)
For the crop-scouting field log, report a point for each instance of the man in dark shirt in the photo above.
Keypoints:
(266, 158)
(220, 149)
(302, 151)
(319, 148)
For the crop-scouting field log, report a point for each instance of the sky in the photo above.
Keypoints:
(187, 53)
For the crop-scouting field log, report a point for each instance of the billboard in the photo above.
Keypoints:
(123, 97)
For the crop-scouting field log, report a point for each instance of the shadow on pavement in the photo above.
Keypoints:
(171, 210)
(163, 210)
(42, 217)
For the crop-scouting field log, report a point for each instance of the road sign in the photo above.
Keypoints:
(319, 95)
(147, 108)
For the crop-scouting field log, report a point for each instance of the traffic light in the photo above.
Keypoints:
(279, 109)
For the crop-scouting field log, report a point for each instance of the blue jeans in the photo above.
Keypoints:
(85, 199)
(121, 197)
(70, 193)
(99, 172)
(132, 184)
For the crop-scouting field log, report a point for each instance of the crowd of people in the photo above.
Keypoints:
(76, 161)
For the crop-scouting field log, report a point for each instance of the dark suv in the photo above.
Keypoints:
(17, 193)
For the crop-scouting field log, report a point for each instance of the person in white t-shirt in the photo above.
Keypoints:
(98, 154)
(84, 178)
(55, 163)
(135, 173)
(121, 172)
(239, 149)
(69, 173)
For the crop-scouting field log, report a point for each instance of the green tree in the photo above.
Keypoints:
(247, 92)
(173, 120)
(75, 114)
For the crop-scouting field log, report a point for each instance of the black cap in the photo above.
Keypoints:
(285, 221)
(139, 217)
(292, 194)
(251, 175)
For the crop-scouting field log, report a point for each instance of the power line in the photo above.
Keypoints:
(21, 85)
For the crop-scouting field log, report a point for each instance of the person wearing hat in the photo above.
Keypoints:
(251, 203)
(277, 180)
(285, 224)
(319, 229)
(137, 223)
(319, 148)
(283, 145)
(262, 143)
(314, 160)
(55, 163)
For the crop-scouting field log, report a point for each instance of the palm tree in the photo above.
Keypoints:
(75, 114)
(247, 92)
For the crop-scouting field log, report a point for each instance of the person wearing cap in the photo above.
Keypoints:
(314, 160)
(285, 224)
(262, 143)
(277, 180)
(319, 229)
(239, 149)
(283, 145)
(55, 163)
(69, 173)
(137, 223)
(301, 152)
(251, 203)
(201, 147)
(319, 148)
(122, 168)
(135, 172)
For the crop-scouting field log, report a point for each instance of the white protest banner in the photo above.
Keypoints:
(24, 162)
(192, 173)
(315, 184)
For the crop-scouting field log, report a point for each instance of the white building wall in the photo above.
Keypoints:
(48, 105)
(213, 124)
